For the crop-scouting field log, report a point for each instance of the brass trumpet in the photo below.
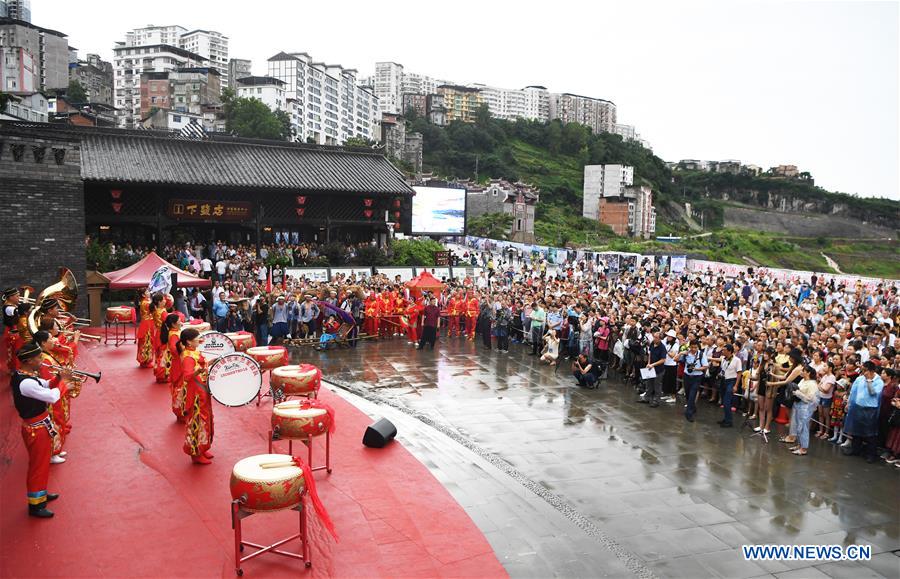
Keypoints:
(90, 337)
(78, 373)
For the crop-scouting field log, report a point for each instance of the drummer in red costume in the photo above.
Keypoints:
(371, 323)
(197, 403)
(453, 315)
(11, 341)
(168, 339)
(31, 396)
(413, 312)
(145, 332)
(472, 308)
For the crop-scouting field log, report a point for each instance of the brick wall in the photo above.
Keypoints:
(41, 213)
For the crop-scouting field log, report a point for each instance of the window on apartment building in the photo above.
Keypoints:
(176, 118)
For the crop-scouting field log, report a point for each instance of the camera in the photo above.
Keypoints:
(690, 367)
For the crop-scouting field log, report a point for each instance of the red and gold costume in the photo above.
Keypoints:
(386, 310)
(165, 357)
(145, 342)
(198, 405)
(59, 410)
(11, 339)
(472, 308)
(413, 312)
(453, 316)
(370, 326)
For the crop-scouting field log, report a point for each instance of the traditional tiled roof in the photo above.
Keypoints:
(124, 156)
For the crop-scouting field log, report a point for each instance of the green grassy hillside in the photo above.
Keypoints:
(552, 156)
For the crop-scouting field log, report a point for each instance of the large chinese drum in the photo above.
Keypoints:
(297, 380)
(198, 325)
(120, 314)
(291, 420)
(269, 357)
(243, 341)
(267, 489)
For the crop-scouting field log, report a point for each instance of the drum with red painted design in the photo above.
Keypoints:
(243, 341)
(121, 314)
(267, 489)
(297, 380)
(269, 357)
(300, 420)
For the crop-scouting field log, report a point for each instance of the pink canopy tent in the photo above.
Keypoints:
(138, 275)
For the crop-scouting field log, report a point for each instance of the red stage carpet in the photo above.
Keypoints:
(132, 504)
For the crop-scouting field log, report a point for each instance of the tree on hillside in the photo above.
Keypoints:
(75, 92)
(492, 225)
(251, 118)
(359, 142)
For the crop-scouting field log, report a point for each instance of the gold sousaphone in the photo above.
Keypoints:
(66, 293)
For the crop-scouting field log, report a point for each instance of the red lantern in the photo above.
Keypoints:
(367, 202)
(397, 203)
(116, 193)
(117, 207)
(397, 227)
(368, 213)
(397, 215)
(301, 199)
(301, 211)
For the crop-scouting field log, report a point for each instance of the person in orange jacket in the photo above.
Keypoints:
(372, 313)
(453, 311)
(472, 308)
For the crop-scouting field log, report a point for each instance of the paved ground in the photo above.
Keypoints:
(680, 498)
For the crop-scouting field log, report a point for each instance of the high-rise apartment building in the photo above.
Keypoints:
(34, 58)
(211, 45)
(604, 181)
(4, 9)
(238, 68)
(325, 101)
(263, 88)
(461, 103)
(96, 78)
(597, 114)
(387, 83)
(18, 9)
(130, 62)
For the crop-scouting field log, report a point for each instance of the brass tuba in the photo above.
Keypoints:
(65, 291)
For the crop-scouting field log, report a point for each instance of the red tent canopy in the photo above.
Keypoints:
(138, 275)
(424, 282)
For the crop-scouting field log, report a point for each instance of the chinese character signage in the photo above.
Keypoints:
(209, 210)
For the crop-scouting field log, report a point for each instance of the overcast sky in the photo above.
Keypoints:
(813, 84)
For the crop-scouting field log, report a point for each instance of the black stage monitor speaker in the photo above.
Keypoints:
(380, 433)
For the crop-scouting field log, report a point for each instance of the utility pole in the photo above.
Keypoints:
(476, 168)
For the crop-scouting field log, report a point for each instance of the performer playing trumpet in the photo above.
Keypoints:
(59, 410)
(31, 395)
(11, 341)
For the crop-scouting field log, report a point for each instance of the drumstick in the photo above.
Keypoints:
(281, 464)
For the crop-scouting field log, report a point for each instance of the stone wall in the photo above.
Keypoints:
(41, 212)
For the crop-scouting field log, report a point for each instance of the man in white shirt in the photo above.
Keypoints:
(221, 269)
(731, 367)
(206, 266)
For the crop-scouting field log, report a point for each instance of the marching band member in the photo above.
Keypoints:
(168, 337)
(197, 403)
(385, 309)
(145, 341)
(413, 311)
(31, 396)
(59, 410)
(11, 341)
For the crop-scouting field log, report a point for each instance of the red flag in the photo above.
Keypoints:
(269, 282)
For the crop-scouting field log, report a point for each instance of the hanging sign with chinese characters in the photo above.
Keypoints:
(209, 210)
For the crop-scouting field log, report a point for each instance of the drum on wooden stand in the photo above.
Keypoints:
(302, 420)
(215, 344)
(268, 483)
(269, 358)
(234, 379)
(120, 314)
(297, 380)
(243, 341)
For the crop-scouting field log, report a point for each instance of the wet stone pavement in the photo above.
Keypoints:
(677, 498)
